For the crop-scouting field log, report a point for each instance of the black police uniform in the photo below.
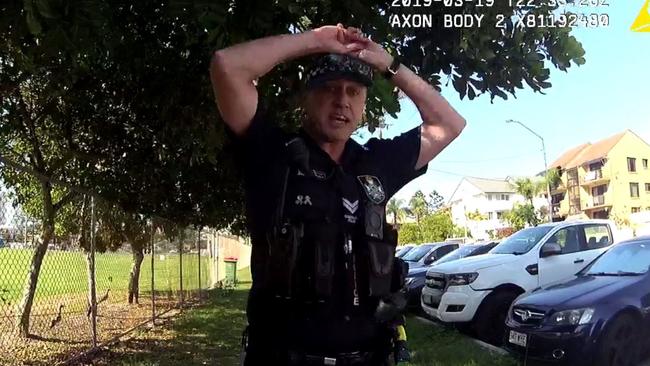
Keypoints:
(321, 248)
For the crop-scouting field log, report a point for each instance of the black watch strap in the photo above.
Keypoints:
(392, 69)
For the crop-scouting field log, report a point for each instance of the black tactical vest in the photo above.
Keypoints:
(331, 252)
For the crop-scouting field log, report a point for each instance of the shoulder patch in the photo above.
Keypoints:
(373, 188)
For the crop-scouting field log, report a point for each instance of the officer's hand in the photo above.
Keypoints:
(333, 39)
(372, 53)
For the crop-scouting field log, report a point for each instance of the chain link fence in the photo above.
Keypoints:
(128, 287)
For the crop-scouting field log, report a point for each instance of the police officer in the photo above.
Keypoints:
(324, 278)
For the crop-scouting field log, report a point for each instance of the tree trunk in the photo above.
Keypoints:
(25, 308)
(134, 276)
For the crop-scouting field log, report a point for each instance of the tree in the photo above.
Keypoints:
(525, 214)
(419, 206)
(522, 215)
(475, 216)
(436, 201)
(437, 227)
(35, 193)
(529, 188)
(135, 73)
(553, 177)
(434, 227)
(394, 209)
(409, 233)
(115, 97)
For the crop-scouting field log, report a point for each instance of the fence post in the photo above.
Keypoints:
(93, 288)
(198, 244)
(153, 287)
(180, 260)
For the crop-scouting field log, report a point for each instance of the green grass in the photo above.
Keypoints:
(65, 273)
(438, 346)
(210, 335)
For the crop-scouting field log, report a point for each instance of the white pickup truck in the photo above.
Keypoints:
(479, 290)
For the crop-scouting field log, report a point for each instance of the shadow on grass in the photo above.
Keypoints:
(207, 335)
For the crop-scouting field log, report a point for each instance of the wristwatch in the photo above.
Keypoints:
(392, 69)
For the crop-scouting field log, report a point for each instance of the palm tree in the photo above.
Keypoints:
(529, 188)
(395, 209)
(419, 206)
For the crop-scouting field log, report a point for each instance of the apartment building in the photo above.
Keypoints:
(491, 198)
(606, 179)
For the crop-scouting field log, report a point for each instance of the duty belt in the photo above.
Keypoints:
(340, 359)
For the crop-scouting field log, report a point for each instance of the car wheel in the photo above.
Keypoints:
(491, 317)
(620, 345)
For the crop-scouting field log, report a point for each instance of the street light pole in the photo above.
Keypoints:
(548, 185)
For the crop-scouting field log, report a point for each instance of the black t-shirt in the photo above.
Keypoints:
(389, 162)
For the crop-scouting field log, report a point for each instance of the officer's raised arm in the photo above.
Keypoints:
(233, 70)
(441, 124)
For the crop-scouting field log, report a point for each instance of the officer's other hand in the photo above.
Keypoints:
(372, 53)
(333, 39)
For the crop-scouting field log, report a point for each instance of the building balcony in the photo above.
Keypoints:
(594, 178)
(596, 203)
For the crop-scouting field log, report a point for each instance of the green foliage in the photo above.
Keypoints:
(433, 227)
(419, 206)
(118, 97)
(553, 177)
(522, 215)
(529, 188)
(476, 216)
(395, 209)
(409, 233)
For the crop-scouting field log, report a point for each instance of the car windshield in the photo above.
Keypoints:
(417, 253)
(522, 241)
(622, 260)
(459, 253)
(483, 249)
(402, 251)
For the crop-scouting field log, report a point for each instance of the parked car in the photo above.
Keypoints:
(479, 290)
(600, 317)
(402, 250)
(467, 250)
(418, 263)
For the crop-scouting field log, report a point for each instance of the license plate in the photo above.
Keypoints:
(518, 338)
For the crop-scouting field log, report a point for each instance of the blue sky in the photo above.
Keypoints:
(599, 99)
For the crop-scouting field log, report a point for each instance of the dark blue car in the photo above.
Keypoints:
(600, 317)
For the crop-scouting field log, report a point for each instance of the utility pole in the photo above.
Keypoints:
(548, 186)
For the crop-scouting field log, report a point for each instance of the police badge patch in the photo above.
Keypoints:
(373, 188)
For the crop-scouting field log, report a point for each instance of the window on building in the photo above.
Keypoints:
(500, 215)
(645, 163)
(636, 209)
(634, 189)
(599, 191)
(631, 164)
(490, 215)
(505, 197)
(595, 166)
(647, 187)
(489, 197)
